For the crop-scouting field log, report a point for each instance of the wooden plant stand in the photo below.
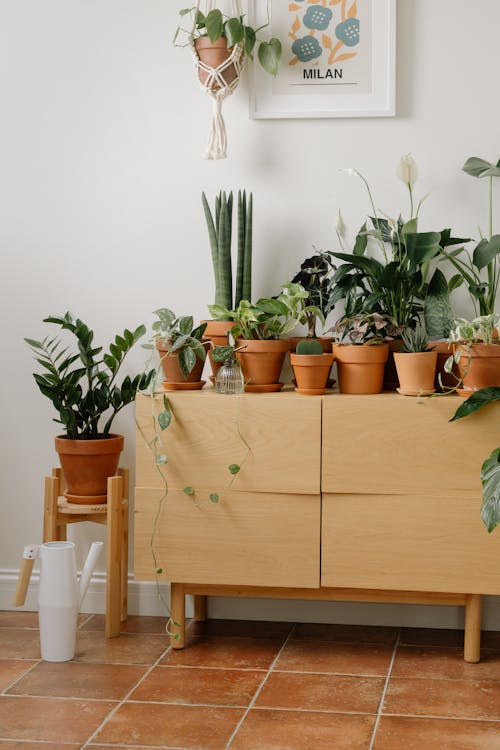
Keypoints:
(58, 513)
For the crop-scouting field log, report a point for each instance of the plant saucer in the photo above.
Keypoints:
(421, 392)
(268, 388)
(465, 392)
(311, 391)
(186, 386)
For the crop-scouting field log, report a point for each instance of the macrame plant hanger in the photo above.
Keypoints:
(219, 83)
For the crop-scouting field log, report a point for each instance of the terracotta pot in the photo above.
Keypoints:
(214, 54)
(325, 341)
(172, 369)
(261, 361)
(217, 332)
(391, 381)
(444, 350)
(416, 371)
(86, 466)
(479, 365)
(360, 367)
(311, 371)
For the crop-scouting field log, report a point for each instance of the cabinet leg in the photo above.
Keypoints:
(472, 636)
(200, 608)
(178, 616)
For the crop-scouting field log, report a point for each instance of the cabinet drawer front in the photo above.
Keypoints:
(245, 539)
(410, 543)
(392, 444)
(276, 438)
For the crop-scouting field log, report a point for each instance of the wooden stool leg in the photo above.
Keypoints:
(50, 509)
(114, 561)
(178, 616)
(472, 636)
(200, 608)
(124, 563)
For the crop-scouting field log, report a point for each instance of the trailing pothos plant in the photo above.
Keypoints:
(403, 283)
(235, 29)
(490, 470)
(179, 335)
(82, 383)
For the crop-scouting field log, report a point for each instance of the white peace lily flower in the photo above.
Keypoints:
(407, 170)
(340, 226)
(351, 172)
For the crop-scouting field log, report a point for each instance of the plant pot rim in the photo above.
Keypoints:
(205, 42)
(255, 346)
(111, 443)
(416, 354)
(478, 349)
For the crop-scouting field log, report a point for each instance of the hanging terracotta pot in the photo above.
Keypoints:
(479, 366)
(217, 331)
(86, 466)
(261, 362)
(416, 371)
(172, 369)
(214, 54)
(360, 367)
(311, 372)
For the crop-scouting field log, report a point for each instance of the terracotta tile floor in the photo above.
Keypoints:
(248, 686)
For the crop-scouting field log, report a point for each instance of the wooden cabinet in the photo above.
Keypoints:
(371, 498)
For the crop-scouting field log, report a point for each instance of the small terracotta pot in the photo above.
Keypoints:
(261, 361)
(172, 369)
(416, 371)
(360, 367)
(390, 375)
(214, 54)
(217, 332)
(325, 341)
(479, 365)
(86, 466)
(311, 371)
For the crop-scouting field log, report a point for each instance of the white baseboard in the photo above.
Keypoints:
(143, 600)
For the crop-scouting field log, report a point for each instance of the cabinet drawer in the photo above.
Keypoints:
(392, 444)
(245, 539)
(410, 543)
(276, 438)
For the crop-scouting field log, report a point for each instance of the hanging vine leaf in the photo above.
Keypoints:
(270, 56)
(188, 491)
(490, 477)
(214, 497)
(234, 468)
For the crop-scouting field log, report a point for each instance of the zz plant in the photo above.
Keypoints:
(82, 384)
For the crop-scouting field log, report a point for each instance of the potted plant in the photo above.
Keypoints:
(490, 470)
(361, 362)
(219, 225)
(315, 276)
(182, 352)
(258, 328)
(477, 352)
(311, 367)
(400, 283)
(415, 364)
(82, 385)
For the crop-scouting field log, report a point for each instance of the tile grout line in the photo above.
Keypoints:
(384, 691)
(16, 680)
(259, 689)
(134, 687)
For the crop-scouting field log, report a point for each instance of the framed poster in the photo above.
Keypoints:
(339, 59)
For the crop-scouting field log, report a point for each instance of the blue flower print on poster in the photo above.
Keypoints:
(348, 32)
(318, 18)
(307, 48)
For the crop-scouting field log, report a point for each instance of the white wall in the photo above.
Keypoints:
(101, 130)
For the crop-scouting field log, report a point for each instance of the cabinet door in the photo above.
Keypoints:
(251, 539)
(276, 438)
(392, 444)
(408, 543)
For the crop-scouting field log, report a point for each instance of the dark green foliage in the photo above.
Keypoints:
(82, 385)
(315, 276)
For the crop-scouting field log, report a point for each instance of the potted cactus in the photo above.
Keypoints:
(415, 364)
(311, 367)
(219, 225)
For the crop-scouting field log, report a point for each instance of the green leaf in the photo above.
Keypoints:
(234, 469)
(213, 23)
(270, 56)
(186, 324)
(410, 227)
(187, 361)
(185, 11)
(486, 251)
(477, 167)
(437, 308)
(214, 497)
(490, 478)
(179, 343)
(234, 31)
(164, 419)
(476, 401)
(361, 241)
(161, 459)
(222, 353)
(422, 246)
(159, 571)
(250, 40)
(188, 491)
(455, 281)
(272, 307)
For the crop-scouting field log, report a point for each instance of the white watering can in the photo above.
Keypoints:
(60, 594)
